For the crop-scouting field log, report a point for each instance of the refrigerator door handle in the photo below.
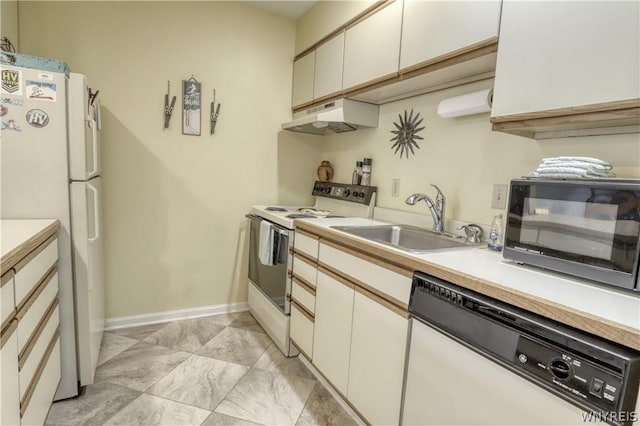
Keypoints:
(96, 211)
(94, 141)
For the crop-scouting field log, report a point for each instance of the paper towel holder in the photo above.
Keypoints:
(469, 104)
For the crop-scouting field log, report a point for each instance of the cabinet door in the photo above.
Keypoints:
(332, 330)
(378, 345)
(9, 390)
(303, 70)
(328, 74)
(559, 54)
(435, 28)
(372, 48)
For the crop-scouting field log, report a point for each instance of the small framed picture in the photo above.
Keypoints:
(191, 106)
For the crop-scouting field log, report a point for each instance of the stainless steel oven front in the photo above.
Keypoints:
(272, 278)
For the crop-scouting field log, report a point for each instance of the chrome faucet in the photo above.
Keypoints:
(436, 209)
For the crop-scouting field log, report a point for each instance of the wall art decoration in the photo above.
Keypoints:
(406, 133)
(191, 106)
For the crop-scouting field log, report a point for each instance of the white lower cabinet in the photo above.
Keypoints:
(332, 330)
(301, 331)
(376, 366)
(9, 388)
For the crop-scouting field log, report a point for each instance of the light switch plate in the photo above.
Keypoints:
(395, 187)
(499, 197)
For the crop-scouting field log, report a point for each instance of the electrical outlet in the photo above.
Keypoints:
(395, 187)
(499, 197)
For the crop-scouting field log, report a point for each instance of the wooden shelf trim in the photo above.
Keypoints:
(6, 277)
(374, 294)
(33, 339)
(10, 259)
(298, 255)
(35, 292)
(302, 310)
(615, 116)
(24, 404)
(306, 285)
(8, 331)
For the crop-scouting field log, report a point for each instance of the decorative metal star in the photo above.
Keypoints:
(405, 134)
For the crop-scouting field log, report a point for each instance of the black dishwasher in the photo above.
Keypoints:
(594, 374)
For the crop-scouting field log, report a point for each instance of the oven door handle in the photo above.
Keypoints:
(279, 229)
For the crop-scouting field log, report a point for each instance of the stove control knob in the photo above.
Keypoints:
(327, 189)
(346, 192)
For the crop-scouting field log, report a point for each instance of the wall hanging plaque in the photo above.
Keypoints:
(405, 134)
(191, 106)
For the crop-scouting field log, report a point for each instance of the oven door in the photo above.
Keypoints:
(587, 229)
(272, 280)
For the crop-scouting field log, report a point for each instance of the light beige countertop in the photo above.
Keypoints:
(606, 312)
(19, 237)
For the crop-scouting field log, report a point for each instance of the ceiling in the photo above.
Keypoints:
(290, 9)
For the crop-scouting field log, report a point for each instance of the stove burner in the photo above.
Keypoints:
(301, 216)
(276, 209)
(315, 212)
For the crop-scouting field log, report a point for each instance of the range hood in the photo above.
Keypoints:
(338, 116)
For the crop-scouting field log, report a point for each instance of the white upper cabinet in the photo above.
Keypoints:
(303, 76)
(569, 56)
(372, 48)
(328, 67)
(431, 29)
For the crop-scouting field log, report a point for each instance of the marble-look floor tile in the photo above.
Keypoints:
(246, 321)
(267, 397)
(217, 419)
(112, 345)
(187, 335)
(226, 319)
(199, 381)
(151, 410)
(97, 405)
(274, 360)
(322, 409)
(236, 345)
(140, 366)
(140, 332)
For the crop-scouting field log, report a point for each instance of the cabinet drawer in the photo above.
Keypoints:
(380, 279)
(302, 330)
(7, 299)
(303, 268)
(35, 309)
(307, 244)
(304, 295)
(33, 268)
(37, 348)
(9, 390)
(35, 406)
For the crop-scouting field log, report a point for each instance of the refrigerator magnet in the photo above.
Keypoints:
(11, 81)
(191, 106)
(41, 90)
(37, 118)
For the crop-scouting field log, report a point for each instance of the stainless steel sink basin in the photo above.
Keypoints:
(406, 237)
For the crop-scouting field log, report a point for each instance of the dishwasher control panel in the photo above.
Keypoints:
(569, 373)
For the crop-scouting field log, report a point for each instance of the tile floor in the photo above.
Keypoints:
(218, 370)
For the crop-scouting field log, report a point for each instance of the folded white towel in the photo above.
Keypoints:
(583, 159)
(265, 246)
(581, 164)
(578, 171)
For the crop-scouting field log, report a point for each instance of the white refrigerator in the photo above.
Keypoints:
(50, 168)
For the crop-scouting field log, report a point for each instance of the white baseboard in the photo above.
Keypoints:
(167, 316)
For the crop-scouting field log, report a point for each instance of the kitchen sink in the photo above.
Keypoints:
(406, 237)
